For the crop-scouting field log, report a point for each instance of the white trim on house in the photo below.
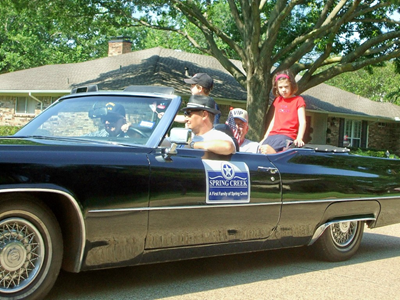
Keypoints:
(37, 93)
(355, 116)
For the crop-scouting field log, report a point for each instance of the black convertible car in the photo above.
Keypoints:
(74, 197)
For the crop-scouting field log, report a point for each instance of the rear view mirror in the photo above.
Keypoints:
(181, 136)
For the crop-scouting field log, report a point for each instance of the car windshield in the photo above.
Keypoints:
(100, 117)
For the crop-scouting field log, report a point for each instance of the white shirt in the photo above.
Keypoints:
(249, 146)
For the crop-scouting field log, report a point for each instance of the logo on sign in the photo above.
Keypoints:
(228, 172)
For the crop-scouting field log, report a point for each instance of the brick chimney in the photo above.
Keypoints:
(118, 46)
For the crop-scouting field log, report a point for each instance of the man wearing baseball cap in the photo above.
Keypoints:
(199, 114)
(242, 124)
(112, 116)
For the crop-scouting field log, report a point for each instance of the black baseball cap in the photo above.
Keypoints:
(201, 79)
(115, 109)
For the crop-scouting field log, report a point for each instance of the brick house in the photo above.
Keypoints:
(334, 116)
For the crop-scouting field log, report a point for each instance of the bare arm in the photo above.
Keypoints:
(216, 146)
(301, 112)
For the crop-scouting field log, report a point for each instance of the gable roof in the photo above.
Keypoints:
(159, 66)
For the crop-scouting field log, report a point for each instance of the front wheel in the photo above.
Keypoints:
(340, 241)
(30, 248)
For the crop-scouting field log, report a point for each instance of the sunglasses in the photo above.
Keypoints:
(188, 113)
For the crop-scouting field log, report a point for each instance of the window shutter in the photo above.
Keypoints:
(341, 132)
(364, 134)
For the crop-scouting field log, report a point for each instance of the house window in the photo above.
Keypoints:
(352, 133)
(25, 105)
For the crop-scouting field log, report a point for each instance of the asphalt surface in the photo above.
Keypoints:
(373, 273)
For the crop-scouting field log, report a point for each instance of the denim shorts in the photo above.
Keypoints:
(278, 141)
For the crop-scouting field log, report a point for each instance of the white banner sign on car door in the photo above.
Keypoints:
(227, 182)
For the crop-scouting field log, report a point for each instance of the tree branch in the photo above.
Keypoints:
(279, 13)
(236, 17)
(363, 48)
(309, 39)
(342, 68)
(195, 16)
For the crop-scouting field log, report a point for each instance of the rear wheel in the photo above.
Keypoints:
(340, 241)
(30, 248)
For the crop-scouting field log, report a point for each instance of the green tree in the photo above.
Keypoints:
(378, 83)
(35, 32)
(317, 39)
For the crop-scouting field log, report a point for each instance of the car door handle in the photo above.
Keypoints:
(268, 170)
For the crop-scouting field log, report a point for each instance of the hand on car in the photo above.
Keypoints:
(298, 142)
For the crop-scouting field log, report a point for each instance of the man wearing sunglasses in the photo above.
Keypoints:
(199, 114)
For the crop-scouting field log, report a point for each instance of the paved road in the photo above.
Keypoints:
(374, 273)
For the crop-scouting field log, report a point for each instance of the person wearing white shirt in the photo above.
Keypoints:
(200, 113)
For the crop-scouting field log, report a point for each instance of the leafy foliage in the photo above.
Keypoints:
(374, 153)
(378, 83)
(35, 33)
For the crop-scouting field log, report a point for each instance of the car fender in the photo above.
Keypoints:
(367, 211)
(70, 213)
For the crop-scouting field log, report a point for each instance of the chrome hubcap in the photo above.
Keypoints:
(344, 226)
(21, 254)
(343, 233)
(12, 256)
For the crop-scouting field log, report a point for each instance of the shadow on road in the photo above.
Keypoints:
(180, 278)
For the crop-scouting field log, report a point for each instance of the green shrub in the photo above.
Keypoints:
(8, 130)
(372, 152)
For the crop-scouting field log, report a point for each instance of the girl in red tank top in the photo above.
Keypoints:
(289, 121)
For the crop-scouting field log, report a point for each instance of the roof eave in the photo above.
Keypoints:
(355, 116)
(19, 93)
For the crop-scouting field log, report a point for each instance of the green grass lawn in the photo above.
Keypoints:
(8, 130)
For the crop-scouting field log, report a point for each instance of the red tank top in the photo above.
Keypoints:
(286, 117)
